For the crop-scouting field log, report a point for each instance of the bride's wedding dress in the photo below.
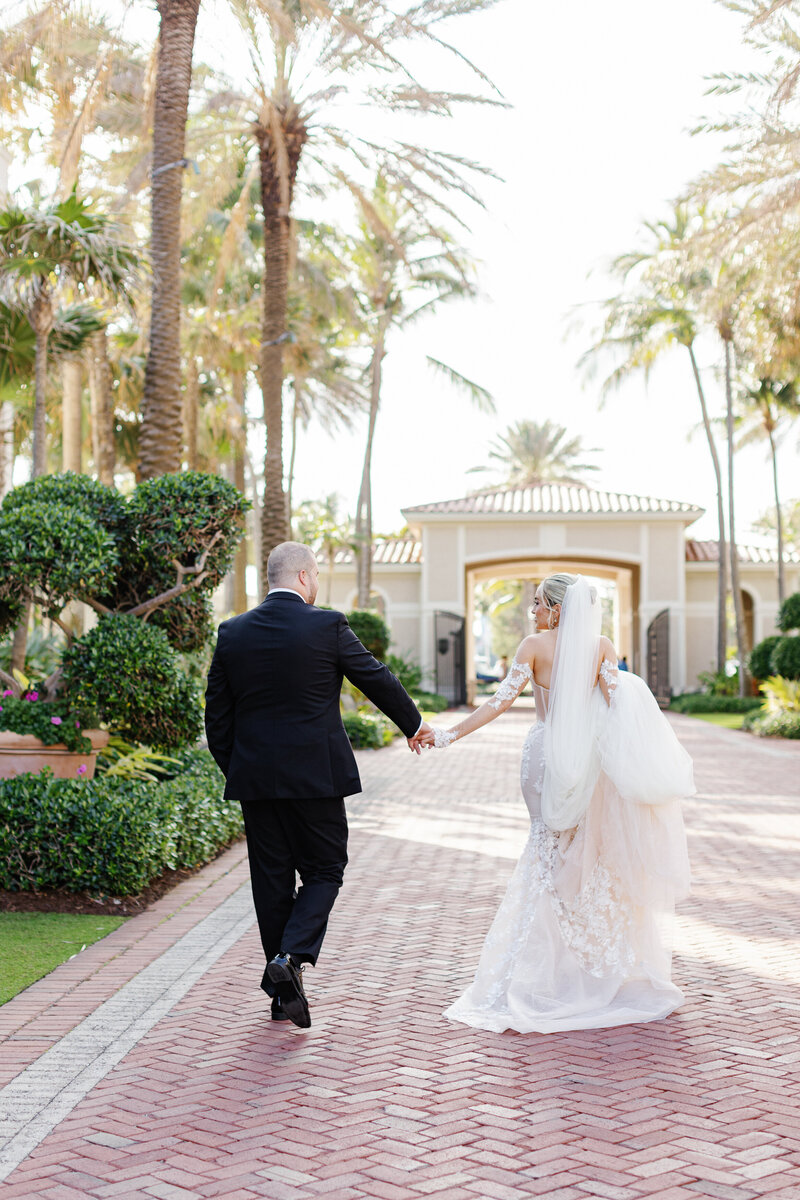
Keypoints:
(582, 939)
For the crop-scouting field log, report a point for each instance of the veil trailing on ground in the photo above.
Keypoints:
(570, 750)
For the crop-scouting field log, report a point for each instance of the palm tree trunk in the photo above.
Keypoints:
(160, 435)
(364, 509)
(722, 556)
(71, 413)
(738, 607)
(778, 515)
(101, 401)
(239, 450)
(191, 404)
(278, 169)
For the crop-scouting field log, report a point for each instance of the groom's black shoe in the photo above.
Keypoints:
(277, 1011)
(288, 978)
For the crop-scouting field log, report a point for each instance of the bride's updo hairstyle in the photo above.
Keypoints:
(554, 591)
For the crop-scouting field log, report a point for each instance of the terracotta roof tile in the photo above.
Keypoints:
(697, 551)
(554, 498)
(389, 552)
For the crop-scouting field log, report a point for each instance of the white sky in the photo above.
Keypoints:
(597, 141)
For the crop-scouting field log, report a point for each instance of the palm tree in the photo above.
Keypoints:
(405, 264)
(160, 439)
(767, 405)
(531, 453)
(306, 57)
(661, 311)
(41, 250)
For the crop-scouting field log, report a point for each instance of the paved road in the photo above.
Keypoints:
(146, 1068)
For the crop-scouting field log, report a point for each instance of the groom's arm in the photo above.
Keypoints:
(220, 709)
(376, 681)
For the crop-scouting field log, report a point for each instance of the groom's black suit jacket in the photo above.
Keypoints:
(272, 702)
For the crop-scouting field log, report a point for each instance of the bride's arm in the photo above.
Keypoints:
(520, 672)
(607, 669)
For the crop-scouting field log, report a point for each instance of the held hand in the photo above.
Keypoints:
(423, 737)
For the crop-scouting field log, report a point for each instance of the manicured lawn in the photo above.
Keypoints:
(728, 720)
(32, 944)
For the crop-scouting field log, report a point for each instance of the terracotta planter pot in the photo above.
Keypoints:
(22, 752)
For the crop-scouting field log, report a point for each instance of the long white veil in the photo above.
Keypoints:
(570, 750)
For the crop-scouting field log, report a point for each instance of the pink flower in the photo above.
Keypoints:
(55, 720)
(82, 769)
(8, 692)
(32, 696)
(77, 724)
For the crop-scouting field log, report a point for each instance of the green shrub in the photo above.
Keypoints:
(702, 702)
(127, 671)
(431, 701)
(102, 504)
(761, 657)
(406, 670)
(789, 615)
(719, 683)
(371, 629)
(367, 732)
(782, 724)
(111, 836)
(786, 658)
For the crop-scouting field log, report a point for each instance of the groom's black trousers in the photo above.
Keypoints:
(293, 837)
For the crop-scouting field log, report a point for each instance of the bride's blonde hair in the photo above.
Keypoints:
(554, 590)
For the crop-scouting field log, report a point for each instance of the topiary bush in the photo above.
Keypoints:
(789, 614)
(785, 658)
(54, 552)
(112, 836)
(760, 662)
(127, 671)
(371, 629)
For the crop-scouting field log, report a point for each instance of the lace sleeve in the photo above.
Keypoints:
(519, 674)
(609, 673)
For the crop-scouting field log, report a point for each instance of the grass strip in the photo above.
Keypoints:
(32, 944)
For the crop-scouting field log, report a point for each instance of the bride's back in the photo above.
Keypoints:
(542, 647)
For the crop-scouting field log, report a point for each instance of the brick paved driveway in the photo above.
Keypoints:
(384, 1099)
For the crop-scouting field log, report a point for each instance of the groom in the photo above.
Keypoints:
(274, 727)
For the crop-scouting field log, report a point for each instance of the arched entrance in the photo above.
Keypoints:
(623, 578)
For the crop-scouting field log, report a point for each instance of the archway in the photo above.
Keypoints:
(621, 578)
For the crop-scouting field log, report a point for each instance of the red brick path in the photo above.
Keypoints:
(383, 1099)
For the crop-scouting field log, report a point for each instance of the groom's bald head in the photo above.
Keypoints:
(286, 562)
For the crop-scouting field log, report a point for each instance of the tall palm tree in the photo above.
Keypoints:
(660, 310)
(160, 439)
(40, 251)
(530, 453)
(405, 263)
(307, 57)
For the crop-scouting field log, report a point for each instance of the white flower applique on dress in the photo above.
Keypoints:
(518, 675)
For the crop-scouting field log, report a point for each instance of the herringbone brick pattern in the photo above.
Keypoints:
(383, 1099)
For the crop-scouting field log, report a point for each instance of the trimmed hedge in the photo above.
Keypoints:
(112, 836)
(789, 615)
(371, 630)
(702, 702)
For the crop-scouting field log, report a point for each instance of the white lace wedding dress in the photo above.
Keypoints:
(582, 938)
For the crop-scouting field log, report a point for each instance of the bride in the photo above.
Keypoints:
(582, 938)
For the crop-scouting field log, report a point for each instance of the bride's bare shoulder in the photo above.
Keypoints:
(526, 651)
